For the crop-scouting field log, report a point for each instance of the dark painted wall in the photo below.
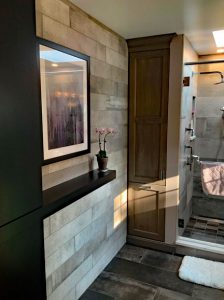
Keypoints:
(20, 130)
(21, 232)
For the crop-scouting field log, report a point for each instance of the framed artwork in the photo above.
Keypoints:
(64, 78)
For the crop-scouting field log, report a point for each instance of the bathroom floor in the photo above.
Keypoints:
(205, 229)
(143, 274)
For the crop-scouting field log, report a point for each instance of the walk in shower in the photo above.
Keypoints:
(201, 207)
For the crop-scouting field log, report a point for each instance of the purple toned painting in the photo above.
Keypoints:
(64, 103)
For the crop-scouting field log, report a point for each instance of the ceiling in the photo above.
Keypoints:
(136, 18)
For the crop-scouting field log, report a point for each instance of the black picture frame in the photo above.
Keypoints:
(63, 148)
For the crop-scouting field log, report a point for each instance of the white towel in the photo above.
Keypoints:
(212, 178)
(202, 271)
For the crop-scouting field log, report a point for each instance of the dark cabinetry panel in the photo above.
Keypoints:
(20, 115)
(22, 259)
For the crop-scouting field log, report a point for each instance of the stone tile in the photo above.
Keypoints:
(106, 205)
(205, 149)
(220, 240)
(201, 293)
(208, 207)
(100, 85)
(132, 253)
(59, 257)
(68, 267)
(68, 284)
(46, 226)
(71, 295)
(114, 239)
(116, 103)
(115, 59)
(85, 282)
(121, 89)
(86, 25)
(110, 119)
(93, 295)
(201, 125)
(58, 238)
(100, 69)
(121, 287)
(60, 176)
(165, 294)
(39, 31)
(162, 260)
(98, 102)
(55, 9)
(118, 74)
(208, 107)
(63, 35)
(49, 288)
(150, 275)
(69, 213)
(95, 233)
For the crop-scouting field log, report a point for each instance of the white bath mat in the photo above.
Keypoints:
(202, 271)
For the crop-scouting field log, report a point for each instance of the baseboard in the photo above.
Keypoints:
(173, 249)
(150, 244)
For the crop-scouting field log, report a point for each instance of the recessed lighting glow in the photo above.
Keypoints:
(54, 65)
(219, 38)
(220, 50)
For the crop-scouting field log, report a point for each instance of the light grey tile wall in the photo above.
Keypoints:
(81, 239)
(210, 125)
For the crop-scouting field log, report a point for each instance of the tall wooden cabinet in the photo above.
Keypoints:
(148, 114)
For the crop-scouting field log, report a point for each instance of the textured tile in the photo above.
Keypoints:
(150, 275)
(46, 225)
(205, 293)
(87, 280)
(165, 294)
(39, 31)
(115, 59)
(62, 34)
(86, 25)
(58, 238)
(59, 257)
(63, 289)
(123, 288)
(162, 260)
(93, 295)
(55, 9)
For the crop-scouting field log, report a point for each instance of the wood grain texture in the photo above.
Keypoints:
(148, 117)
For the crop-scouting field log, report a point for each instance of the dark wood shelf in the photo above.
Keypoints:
(66, 193)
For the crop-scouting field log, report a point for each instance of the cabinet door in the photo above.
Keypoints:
(148, 96)
(146, 213)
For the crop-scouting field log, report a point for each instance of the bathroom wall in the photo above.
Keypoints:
(209, 124)
(81, 239)
(186, 174)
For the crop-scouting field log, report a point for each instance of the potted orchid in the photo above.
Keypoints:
(102, 157)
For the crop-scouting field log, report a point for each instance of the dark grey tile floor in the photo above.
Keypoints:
(142, 274)
(206, 229)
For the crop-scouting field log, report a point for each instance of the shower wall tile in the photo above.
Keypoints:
(208, 148)
(200, 126)
(209, 106)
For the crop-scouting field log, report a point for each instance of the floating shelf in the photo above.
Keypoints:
(70, 191)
